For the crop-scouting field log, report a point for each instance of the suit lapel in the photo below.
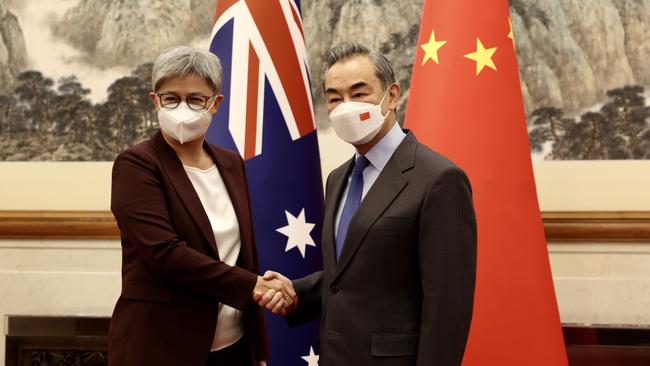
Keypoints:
(183, 186)
(335, 188)
(386, 188)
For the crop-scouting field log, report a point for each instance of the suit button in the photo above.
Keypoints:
(335, 289)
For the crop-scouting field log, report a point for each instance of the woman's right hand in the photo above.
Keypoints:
(275, 293)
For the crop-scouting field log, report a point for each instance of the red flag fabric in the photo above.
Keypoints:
(465, 102)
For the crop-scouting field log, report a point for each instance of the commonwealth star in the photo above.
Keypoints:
(298, 232)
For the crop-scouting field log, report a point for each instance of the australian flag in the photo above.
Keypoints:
(267, 116)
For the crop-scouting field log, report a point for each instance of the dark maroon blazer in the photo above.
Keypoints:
(172, 278)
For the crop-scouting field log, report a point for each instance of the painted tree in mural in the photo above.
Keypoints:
(629, 115)
(596, 138)
(549, 125)
(73, 111)
(34, 93)
(41, 122)
(619, 130)
(131, 111)
(8, 115)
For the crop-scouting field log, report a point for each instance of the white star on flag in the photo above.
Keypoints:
(312, 359)
(298, 232)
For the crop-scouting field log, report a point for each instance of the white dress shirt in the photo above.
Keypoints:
(378, 157)
(216, 202)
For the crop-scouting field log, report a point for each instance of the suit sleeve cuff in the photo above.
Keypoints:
(242, 289)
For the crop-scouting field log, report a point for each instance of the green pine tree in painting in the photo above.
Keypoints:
(628, 114)
(619, 130)
(549, 125)
(44, 120)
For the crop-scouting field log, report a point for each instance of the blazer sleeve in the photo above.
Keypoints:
(258, 336)
(310, 299)
(138, 203)
(447, 250)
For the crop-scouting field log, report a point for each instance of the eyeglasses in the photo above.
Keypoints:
(195, 102)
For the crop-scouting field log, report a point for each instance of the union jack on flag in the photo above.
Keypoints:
(267, 116)
(267, 46)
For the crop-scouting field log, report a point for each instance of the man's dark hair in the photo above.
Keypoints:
(345, 50)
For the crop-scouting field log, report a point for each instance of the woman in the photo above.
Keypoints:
(189, 263)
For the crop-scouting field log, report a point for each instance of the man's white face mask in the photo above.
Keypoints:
(358, 122)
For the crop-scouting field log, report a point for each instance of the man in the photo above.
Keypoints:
(399, 234)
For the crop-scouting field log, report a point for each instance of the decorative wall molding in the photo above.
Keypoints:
(559, 226)
(58, 225)
(626, 226)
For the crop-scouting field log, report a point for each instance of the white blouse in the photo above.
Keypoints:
(216, 202)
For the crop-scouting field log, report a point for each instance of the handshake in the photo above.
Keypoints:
(275, 292)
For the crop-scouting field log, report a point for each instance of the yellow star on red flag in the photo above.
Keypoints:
(511, 34)
(482, 56)
(431, 48)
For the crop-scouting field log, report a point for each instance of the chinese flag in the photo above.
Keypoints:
(465, 102)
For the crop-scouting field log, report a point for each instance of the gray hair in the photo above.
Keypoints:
(180, 61)
(345, 50)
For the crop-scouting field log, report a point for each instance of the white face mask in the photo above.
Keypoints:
(184, 124)
(358, 122)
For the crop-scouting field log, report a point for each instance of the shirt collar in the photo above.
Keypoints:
(379, 154)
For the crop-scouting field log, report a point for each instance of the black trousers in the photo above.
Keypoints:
(238, 354)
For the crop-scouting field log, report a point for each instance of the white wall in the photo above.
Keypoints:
(57, 278)
(602, 283)
(595, 283)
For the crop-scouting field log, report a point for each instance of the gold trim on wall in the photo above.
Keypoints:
(597, 226)
(58, 225)
(559, 226)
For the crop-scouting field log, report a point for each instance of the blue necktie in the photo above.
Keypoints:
(352, 202)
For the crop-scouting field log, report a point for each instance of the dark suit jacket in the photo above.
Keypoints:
(172, 278)
(402, 291)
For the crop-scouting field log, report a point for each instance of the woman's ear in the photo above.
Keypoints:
(216, 104)
(154, 99)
